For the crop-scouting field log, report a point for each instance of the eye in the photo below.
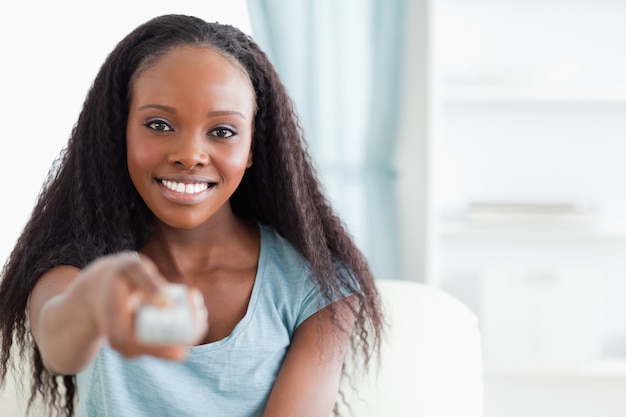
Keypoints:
(223, 132)
(159, 126)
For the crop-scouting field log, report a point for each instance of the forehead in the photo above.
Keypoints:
(192, 69)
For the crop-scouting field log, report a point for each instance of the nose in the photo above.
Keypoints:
(189, 151)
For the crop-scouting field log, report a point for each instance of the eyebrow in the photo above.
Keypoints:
(172, 110)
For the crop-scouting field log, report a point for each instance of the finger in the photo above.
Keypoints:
(173, 353)
(201, 314)
(141, 272)
(123, 301)
(129, 285)
(130, 349)
(134, 302)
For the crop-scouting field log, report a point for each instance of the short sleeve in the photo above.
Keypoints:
(313, 301)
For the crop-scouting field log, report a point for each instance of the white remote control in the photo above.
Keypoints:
(173, 320)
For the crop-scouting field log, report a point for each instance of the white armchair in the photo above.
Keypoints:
(431, 364)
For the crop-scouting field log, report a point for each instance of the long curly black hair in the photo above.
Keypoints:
(88, 206)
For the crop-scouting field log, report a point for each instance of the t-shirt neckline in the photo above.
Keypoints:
(254, 297)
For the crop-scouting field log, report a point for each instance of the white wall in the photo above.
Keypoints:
(51, 52)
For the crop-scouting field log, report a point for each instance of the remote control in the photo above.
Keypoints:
(171, 319)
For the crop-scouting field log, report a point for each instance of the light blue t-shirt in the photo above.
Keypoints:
(232, 377)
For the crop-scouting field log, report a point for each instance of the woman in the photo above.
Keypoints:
(187, 165)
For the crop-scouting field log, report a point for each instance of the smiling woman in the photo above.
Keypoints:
(51, 50)
(187, 166)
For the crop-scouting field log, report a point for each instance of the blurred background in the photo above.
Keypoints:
(528, 176)
(473, 145)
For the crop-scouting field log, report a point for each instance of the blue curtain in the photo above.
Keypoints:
(341, 63)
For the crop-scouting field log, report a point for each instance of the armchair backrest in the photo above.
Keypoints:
(431, 362)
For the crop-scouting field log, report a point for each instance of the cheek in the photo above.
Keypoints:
(140, 157)
(237, 162)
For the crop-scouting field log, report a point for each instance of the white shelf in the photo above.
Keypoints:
(534, 96)
(604, 368)
(451, 229)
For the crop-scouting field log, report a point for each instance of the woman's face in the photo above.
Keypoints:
(189, 135)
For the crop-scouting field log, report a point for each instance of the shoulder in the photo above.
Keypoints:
(274, 240)
(278, 251)
(290, 281)
(286, 272)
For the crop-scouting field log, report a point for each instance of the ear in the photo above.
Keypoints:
(249, 163)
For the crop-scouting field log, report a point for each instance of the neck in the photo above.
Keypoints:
(219, 244)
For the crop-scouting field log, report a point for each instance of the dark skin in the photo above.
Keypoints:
(225, 283)
(189, 142)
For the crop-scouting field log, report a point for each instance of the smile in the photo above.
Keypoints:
(181, 187)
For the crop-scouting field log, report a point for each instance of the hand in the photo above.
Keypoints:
(115, 286)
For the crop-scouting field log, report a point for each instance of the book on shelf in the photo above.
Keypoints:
(541, 212)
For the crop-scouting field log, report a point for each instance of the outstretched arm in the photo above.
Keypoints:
(308, 381)
(72, 312)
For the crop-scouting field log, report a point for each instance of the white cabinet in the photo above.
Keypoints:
(530, 107)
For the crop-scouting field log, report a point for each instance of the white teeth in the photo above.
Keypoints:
(181, 187)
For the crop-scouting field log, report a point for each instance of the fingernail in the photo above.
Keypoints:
(197, 297)
(134, 301)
